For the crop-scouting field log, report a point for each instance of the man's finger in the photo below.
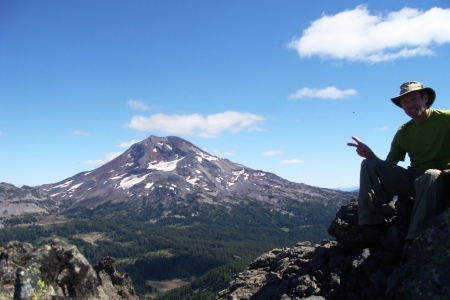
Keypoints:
(356, 139)
(351, 144)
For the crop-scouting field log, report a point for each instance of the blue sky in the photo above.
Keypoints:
(278, 86)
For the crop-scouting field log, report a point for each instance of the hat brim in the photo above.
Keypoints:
(430, 92)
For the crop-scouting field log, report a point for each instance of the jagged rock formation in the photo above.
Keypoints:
(58, 271)
(332, 271)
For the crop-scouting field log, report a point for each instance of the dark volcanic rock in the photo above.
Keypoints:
(428, 262)
(58, 271)
(332, 271)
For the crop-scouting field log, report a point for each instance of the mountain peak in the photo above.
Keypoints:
(158, 152)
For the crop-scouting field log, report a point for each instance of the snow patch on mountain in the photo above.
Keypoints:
(191, 180)
(128, 182)
(239, 173)
(164, 165)
(74, 187)
(65, 184)
(205, 156)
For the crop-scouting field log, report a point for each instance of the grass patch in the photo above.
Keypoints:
(90, 238)
(167, 285)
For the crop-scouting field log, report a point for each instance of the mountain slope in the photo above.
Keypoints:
(163, 172)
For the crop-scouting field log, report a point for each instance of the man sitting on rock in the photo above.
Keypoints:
(426, 140)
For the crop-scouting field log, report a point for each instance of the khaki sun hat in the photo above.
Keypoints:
(414, 86)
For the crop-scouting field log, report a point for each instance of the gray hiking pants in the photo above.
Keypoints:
(381, 180)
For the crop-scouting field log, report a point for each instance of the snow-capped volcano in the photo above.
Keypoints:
(167, 170)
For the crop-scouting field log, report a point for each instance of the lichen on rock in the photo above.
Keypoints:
(57, 271)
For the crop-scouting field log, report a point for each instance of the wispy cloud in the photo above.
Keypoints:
(138, 105)
(358, 35)
(127, 144)
(106, 158)
(80, 133)
(290, 161)
(1, 133)
(198, 125)
(382, 129)
(330, 92)
(272, 152)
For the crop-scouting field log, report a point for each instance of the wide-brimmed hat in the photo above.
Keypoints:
(414, 86)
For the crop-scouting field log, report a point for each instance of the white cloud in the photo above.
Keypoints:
(137, 105)
(272, 152)
(127, 144)
(196, 124)
(218, 153)
(382, 129)
(330, 92)
(357, 35)
(111, 155)
(290, 161)
(1, 133)
(106, 158)
(80, 133)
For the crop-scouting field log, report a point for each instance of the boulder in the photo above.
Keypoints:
(58, 271)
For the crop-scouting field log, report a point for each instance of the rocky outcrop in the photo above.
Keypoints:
(58, 271)
(331, 271)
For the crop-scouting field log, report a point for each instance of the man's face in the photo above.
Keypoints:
(415, 105)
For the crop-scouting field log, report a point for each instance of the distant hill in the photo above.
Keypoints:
(18, 201)
(354, 189)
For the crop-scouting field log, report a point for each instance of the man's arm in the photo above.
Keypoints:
(364, 150)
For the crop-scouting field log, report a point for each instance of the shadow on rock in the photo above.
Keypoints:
(331, 271)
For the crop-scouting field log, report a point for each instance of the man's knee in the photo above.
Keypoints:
(433, 173)
(370, 163)
(429, 176)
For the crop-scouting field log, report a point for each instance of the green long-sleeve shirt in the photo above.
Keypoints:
(427, 143)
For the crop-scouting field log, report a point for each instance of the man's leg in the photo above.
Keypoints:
(379, 182)
(429, 192)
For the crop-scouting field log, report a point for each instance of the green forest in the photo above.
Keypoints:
(207, 249)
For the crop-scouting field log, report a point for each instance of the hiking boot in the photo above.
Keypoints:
(364, 236)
